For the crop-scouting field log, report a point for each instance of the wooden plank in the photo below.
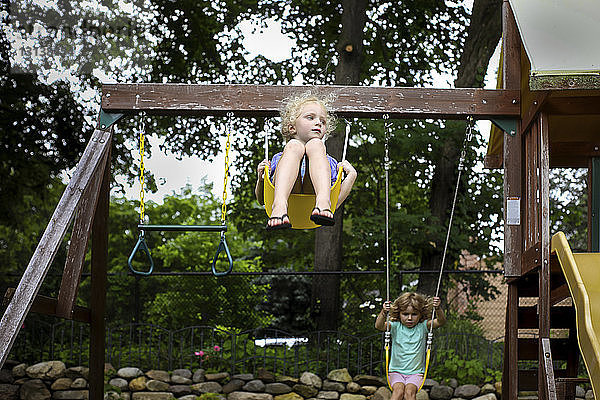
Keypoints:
(539, 101)
(47, 305)
(549, 388)
(531, 258)
(513, 145)
(44, 254)
(351, 101)
(78, 246)
(559, 294)
(509, 377)
(99, 270)
(544, 221)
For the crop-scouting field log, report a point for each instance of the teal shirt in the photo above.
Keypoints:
(408, 348)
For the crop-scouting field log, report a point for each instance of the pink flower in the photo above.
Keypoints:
(199, 353)
(217, 348)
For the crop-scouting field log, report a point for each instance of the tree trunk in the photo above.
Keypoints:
(482, 37)
(328, 240)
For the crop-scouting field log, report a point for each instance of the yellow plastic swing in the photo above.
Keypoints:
(300, 205)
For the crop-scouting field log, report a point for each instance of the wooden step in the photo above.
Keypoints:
(528, 349)
(562, 317)
(47, 305)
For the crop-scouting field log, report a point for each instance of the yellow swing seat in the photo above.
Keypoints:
(300, 205)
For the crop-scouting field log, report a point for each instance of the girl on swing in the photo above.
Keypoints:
(305, 120)
(409, 323)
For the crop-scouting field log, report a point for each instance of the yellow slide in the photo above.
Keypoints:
(582, 272)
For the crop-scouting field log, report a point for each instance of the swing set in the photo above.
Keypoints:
(87, 194)
(545, 119)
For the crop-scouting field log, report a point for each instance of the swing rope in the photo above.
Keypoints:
(223, 243)
(141, 243)
(466, 141)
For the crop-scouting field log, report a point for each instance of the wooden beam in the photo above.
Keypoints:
(44, 254)
(99, 270)
(531, 258)
(351, 101)
(511, 340)
(550, 388)
(559, 294)
(47, 305)
(539, 101)
(544, 214)
(78, 245)
(512, 145)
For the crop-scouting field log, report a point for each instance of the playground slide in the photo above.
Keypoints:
(582, 272)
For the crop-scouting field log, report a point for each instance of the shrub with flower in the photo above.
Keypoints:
(210, 359)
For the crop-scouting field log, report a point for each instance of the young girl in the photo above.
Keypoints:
(409, 323)
(305, 120)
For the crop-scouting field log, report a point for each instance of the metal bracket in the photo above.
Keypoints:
(105, 120)
(507, 125)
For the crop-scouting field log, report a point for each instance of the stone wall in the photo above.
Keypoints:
(52, 380)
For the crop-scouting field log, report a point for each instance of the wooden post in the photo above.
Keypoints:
(513, 234)
(98, 287)
(544, 271)
(510, 376)
(71, 278)
(594, 204)
(512, 145)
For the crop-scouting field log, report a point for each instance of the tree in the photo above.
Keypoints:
(42, 134)
(483, 35)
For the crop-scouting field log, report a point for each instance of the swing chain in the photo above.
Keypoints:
(226, 175)
(142, 128)
(386, 126)
(468, 138)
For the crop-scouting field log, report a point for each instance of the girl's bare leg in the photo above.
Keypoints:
(410, 392)
(398, 391)
(320, 175)
(286, 173)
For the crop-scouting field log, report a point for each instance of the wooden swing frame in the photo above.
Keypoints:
(86, 198)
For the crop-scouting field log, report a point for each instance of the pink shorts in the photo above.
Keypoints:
(415, 379)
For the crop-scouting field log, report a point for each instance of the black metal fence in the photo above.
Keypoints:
(151, 347)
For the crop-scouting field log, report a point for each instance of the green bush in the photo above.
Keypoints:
(449, 365)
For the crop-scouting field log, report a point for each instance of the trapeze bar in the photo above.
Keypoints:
(184, 228)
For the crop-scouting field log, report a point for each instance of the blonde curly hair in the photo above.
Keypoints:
(293, 107)
(419, 302)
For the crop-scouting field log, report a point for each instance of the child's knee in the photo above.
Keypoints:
(315, 145)
(410, 392)
(295, 146)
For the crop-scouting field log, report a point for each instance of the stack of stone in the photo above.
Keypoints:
(52, 380)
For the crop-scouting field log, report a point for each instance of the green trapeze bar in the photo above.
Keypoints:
(184, 228)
